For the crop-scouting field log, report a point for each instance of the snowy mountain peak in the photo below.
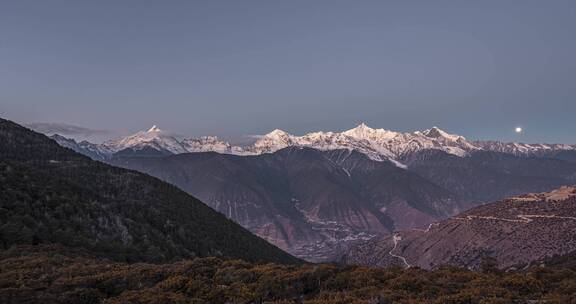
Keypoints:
(361, 129)
(272, 141)
(377, 144)
(154, 138)
(436, 132)
(277, 133)
(206, 144)
(154, 129)
(363, 126)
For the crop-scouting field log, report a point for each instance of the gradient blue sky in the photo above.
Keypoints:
(231, 68)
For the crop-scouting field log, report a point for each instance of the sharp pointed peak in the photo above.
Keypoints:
(360, 129)
(436, 132)
(363, 125)
(433, 129)
(154, 129)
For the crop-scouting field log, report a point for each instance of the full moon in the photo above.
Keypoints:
(518, 130)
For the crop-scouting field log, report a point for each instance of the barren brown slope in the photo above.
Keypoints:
(514, 231)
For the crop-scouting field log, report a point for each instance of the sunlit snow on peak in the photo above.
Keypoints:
(436, 132)
(276, 133)
(154, 129)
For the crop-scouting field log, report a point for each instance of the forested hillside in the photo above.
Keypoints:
(50, 194)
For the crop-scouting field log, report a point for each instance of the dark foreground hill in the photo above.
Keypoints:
(50, 275)
(50, 194)
(514, 231)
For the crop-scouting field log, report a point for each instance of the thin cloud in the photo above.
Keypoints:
(66, 129)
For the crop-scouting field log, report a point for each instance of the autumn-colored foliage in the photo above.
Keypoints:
(53, 274)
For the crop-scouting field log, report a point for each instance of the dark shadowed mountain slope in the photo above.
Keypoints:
(515, 231)
(50, 194)
(312, 203)
(569, 156)
(488, 176)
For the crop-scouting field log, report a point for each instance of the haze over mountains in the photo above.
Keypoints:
(318, 194)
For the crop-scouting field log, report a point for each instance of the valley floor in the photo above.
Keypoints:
(53, 274)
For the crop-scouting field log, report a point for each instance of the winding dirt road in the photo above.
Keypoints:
(427, 229)
(395, 239)
(522, 218)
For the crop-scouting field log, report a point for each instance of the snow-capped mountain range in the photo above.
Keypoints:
(378, 144)
(153, 138)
